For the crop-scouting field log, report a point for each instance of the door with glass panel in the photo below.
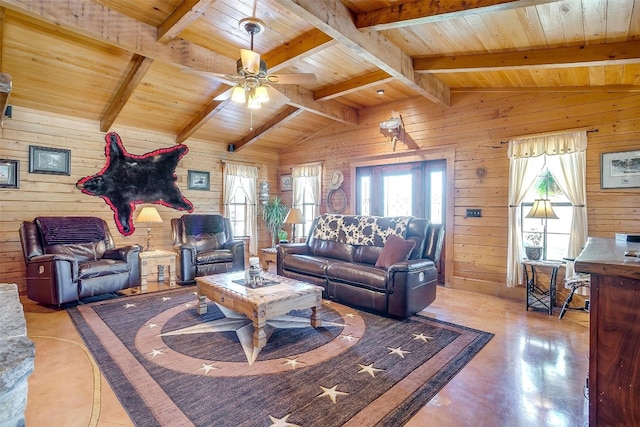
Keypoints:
(406, 189)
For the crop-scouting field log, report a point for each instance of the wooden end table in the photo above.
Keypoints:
(269, 256)
(157, 259)
(276, 298)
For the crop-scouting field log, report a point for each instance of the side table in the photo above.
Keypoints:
(157, 259)
(539, 298)
(268, 256)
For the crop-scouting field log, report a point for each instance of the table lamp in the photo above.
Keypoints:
(294, 217)
(149, 214)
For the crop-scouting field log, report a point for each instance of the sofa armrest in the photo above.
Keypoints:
(293, 248)
(52, 279)
(406, 283)
(125, 253)
(412, 265)
(237, 248)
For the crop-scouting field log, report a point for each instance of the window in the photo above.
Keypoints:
(552, 235)
(532, 161)
(238, 214)
(406, 189)
(306, 194)
(240, 195)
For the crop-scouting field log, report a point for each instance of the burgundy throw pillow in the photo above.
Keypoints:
(395, 249)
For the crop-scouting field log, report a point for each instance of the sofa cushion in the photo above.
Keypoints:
(202, 224)
(331, 249)
(216, 255)
(70, 229)
(206, 242)
(312, 265)
(396, 249)
(360, 275)
(80, 251)
(101, 267)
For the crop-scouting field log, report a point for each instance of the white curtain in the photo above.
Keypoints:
(243, 178)
(306, 179)
(565, 157)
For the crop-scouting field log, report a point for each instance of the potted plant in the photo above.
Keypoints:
(273, 213)
(532, 245)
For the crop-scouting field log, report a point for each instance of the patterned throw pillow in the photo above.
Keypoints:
(395, 249)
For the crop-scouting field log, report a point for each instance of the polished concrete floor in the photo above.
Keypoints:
(531, 373)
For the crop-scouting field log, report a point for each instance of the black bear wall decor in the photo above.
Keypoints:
(128, 179)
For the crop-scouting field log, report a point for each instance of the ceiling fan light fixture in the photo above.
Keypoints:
(262, 94)
(253, 103)
(238, 95)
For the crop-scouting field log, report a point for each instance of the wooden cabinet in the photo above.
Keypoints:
(614, 338)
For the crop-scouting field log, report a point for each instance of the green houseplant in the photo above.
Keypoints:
(273, 213)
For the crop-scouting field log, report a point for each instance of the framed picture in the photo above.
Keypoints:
(56, 161)
(9, 173)
(620, 170)
(286, 183)
(198, 180)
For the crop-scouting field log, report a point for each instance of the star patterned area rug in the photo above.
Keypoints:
(169, 366)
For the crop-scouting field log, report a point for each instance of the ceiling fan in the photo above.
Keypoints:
(252, 79)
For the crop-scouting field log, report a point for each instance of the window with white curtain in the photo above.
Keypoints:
(306, 183)
(240, 194)
(564, 156)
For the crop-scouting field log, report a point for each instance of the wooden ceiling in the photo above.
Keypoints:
(122, 62)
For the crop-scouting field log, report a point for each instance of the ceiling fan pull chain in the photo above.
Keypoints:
(251, 119)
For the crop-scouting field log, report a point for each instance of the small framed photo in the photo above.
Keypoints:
(9, 173)
(56, 161)
(198, 180)
(286, 183)
(620, 170)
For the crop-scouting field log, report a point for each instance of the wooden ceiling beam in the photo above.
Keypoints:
(272, 124)
(181, 18)
(421, 12)
(138, 67)
(202, 117)
(559, 57)
(553, 89)
(353, 85)
(334, 19)
(302, 46)
(303, 98)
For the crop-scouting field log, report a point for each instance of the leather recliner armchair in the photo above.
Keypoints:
(71, 258)
(205, 246)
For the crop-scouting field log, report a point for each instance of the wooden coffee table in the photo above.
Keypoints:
(276, 298)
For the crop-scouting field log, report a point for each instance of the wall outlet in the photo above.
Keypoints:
(474, 213)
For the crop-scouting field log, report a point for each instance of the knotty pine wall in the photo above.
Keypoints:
(41, 194)
(469, 135)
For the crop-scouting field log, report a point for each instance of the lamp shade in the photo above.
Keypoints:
(542, 209)
(294, 217)
(238, 95)
(149, 214)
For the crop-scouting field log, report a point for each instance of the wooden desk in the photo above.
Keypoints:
(614, 331)
(156, 260)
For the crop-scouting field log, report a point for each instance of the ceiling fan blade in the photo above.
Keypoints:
(250, 61)
(223, 77)
(224, 95)
(296, 78)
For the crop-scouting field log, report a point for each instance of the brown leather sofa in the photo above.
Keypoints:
(205, 246)
(347, 270)
(71, 258)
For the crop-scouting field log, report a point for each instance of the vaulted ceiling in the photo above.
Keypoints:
(126, 62)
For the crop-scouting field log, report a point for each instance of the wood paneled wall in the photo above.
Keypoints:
(41, 194)
(469, 134)
(473, 129)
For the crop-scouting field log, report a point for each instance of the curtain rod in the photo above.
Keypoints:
(224, 162)
(551, 133)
